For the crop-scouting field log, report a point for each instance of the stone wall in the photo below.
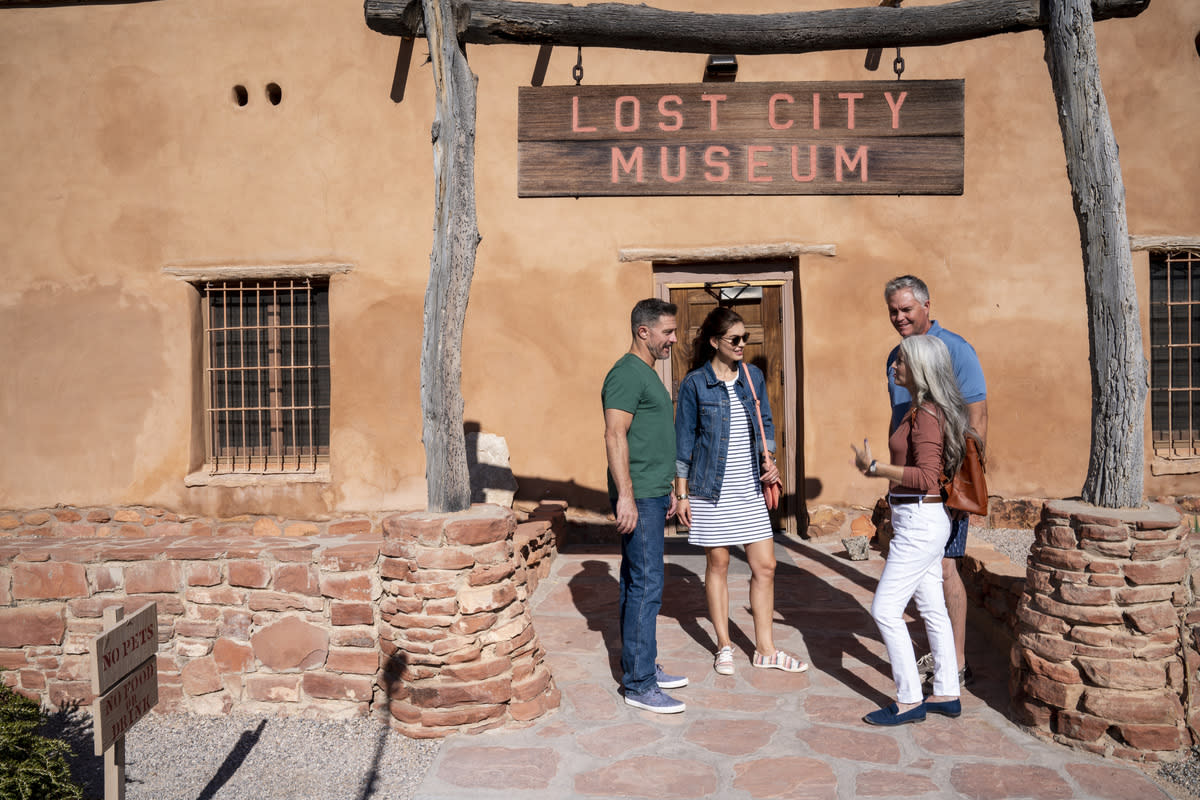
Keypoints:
(133, 522)
(994, 586)
(277, 624)
(1190, 630)
(456, 627)
(1098, 662)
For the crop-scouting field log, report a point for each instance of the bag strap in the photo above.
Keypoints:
(757, 410)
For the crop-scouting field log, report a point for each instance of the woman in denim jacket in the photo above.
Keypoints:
(719, 482)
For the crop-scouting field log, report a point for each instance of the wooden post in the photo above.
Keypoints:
(114, 757)
(451, 264)
(1115, 476)
(114, 771)
(125, 680)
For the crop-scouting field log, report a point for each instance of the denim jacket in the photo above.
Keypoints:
(702, 427)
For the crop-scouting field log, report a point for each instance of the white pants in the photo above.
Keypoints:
(914, 570)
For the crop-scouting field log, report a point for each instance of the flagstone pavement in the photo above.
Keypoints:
(758, 733)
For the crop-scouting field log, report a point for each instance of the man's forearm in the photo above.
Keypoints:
(977, 416)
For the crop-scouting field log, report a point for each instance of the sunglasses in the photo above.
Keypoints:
(736, 341)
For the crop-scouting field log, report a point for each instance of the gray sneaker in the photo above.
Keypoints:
(965, 678)
(925, 666)
(655, 700)
(666, 681)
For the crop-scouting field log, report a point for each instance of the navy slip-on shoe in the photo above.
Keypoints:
(947, 708)
(891, 715)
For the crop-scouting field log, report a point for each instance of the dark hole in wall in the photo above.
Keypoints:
(240, 95)
(274, 93)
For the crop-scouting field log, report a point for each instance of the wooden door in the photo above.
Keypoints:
(762, 310)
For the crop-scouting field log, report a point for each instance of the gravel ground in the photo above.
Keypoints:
(239, 757)
(1012, 542)
(1182, 780)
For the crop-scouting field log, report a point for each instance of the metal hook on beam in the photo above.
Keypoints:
(875, 53)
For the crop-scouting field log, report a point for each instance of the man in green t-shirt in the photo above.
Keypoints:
(639, 437)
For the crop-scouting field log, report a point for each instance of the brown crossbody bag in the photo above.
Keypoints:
(771, 491)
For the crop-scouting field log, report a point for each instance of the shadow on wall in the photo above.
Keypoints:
(488, 467)
(493, 481)
(576, 496)
(72, 3)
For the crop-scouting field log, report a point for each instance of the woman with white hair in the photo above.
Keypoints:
(928, 443)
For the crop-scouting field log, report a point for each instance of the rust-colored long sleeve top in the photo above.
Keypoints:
(916, 445)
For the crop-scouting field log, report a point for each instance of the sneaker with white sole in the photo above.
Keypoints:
(965, 678)
(666, 681)
(723, 663)
(655, 700)
(779, 660)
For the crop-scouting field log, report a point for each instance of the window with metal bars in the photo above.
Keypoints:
(1175, 353)
(266, 353)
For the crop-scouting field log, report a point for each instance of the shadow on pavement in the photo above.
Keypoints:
(595, 593)
(832, 621)
(237, 755)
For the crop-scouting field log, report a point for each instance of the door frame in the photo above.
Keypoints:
(768, 272)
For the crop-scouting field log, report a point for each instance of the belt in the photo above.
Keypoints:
(906, 499)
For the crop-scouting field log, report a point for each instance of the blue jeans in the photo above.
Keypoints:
(641, 594)
(956, 546)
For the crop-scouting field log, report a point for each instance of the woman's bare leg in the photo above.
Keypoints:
(761, 555)
(716, 588)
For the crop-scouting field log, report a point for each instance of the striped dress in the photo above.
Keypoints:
(740, 515)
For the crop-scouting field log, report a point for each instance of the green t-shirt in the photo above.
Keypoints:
(632, 385)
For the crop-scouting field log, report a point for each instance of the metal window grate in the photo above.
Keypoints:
(267, 375)
(1175, 353)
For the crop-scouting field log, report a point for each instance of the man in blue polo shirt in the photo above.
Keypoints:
(907, 300)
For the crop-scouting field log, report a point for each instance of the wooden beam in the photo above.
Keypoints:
(1181, 242)
(733, 252)
(641, 27)
(252, 272)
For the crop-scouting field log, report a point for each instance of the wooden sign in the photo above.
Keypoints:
(812, 138)
(120, 648)
(125, 680)
(127, 702)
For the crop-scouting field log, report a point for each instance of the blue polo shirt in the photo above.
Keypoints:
(966, 369)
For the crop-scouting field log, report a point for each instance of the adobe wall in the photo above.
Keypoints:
(275, 624)
(126, 152)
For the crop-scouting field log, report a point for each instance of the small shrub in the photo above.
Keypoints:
(32, 767)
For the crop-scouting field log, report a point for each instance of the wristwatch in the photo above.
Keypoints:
(871, 468)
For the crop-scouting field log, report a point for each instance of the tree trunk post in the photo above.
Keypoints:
(1118, 363)
(451, 263)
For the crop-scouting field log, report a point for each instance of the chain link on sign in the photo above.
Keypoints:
(898, 64)
(577, 70)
